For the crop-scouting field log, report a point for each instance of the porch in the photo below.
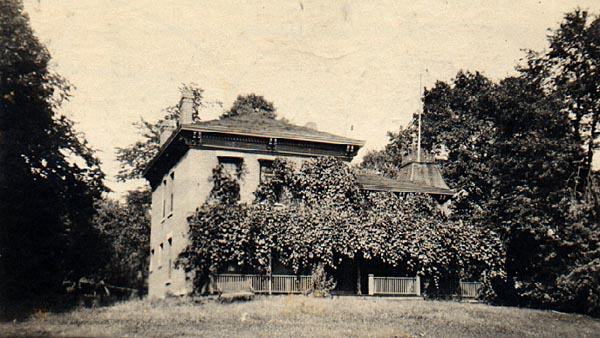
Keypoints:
(302, 284)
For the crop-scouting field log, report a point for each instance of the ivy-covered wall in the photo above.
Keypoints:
(190, 185)
(325, 218)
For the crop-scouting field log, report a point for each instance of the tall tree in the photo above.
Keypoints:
(517, 165)
(511, 152)
(536, 160)
(389, 160)
(566, 258)
(49, 177)
(125, 229)
(460, 116)
(569, 71)
(136, 157)
(251, 103)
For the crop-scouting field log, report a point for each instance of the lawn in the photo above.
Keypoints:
(300, 316)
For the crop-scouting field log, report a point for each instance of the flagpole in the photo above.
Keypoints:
(419, 135)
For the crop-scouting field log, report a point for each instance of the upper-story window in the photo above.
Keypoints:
(164, 198)
(266, 170)
(168, 195)
(232, 165)
(171, 191)
(266, 173)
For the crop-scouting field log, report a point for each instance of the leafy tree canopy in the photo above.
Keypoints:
(388, 161)
(520, 151)
(568, 70)
(135, 158)
(249, 104)
(49, 175)
(125, 230)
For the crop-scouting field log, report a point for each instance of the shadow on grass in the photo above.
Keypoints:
(22, 309)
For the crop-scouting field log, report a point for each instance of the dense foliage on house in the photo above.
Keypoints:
(243, 145)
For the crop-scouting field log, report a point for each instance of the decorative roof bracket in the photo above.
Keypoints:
(195, 139)
(272, 144)
(350, 150)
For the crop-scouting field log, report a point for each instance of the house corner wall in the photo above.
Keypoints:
(169, 233)
(191, 185)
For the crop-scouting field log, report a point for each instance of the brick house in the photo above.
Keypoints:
(180, 175)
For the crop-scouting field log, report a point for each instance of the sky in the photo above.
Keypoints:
(354, 68)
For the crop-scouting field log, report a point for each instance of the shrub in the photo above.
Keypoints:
(322, 284)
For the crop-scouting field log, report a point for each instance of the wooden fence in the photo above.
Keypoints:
(281, 284)
(394, 286)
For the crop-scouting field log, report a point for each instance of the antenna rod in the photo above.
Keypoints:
(419, 135)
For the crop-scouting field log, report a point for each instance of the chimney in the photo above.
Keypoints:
(186, 106)
(166, 129)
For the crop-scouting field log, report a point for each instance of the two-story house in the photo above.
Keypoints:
(180, 175)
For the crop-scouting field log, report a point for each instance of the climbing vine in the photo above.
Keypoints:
(327, 218)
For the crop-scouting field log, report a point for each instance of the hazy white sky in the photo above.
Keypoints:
(352, 67)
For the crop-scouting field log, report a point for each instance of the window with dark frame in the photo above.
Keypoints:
(266, 170)
(160, 254)
(266, 173)
(231, 165)
(164, 198)
(151, 260)
(171, 191)
(169, 267)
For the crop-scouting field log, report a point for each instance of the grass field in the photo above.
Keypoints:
(300, 316)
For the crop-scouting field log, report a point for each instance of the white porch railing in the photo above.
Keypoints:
(289, 284)
(469, 289)
(460, 289)
(399, 286)
(266, 284)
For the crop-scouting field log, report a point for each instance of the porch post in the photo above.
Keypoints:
(211, 283)
(418, 285)
(371, 284)
(270, 272)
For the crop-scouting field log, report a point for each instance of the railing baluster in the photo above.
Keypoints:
(395, 285)
(300, 284)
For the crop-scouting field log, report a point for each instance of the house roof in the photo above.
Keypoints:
(252, 125)
(259, 125)
(423, 173)
(415, 177)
